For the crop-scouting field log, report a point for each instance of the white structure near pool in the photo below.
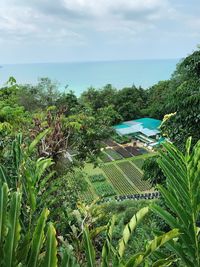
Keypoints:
(144, 129)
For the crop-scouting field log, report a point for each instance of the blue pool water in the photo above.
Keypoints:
(149, 123)
(121, 126)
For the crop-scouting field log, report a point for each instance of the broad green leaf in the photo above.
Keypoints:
(3, 177)
(155, 244)
(89, 249)
(13, 236)
(41, 166)
(38, 239)
(129, 228)
(17, 152)
(182, 196)
(165, 215)
(68, 260)
(3, 211)
(37, 140)
(168, 261)
(50, 259)
(97, 230)
(107, 244)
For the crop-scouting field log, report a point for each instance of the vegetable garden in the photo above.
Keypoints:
(123, 152)
(104, 157)
(138, 162)
(134, 175)
(104, 190)
(113, 154)
(97, 178)
(117, 179)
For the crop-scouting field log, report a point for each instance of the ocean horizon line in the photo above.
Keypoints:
(90, 61)
(81, 75)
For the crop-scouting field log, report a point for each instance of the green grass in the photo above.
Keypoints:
(88, 196)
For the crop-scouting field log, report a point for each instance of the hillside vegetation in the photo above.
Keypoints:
(48, 142)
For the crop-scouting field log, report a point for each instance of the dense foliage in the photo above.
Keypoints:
(47, 136)
(28, 240)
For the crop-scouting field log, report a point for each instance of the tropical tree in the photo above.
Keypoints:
(130, 101)
(81, 132)
(152, 171)
(184, 102)
(158, 99)
(182, 198)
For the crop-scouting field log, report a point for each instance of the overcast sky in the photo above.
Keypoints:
(87, 30)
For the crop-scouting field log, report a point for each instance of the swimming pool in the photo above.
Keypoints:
(121, 126)
(150, 123)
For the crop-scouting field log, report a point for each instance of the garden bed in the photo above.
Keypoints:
(139, 163)
(104, 157)
(111, 152)
(134, 175)
(133, 150)
(109, 142)
(97, 178)
(123, 152)
(118, 181)
(104, 190)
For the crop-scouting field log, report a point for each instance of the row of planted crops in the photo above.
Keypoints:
(120, 174)
(118, 178)
(118, 152)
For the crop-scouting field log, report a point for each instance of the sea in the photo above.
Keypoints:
(79, 76)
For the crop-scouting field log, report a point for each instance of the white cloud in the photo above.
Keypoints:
(106, 7)
(33, 14)
(93, 22)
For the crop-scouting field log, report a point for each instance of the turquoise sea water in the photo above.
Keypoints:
(81, 75)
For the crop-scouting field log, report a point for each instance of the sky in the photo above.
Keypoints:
(34, 31)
